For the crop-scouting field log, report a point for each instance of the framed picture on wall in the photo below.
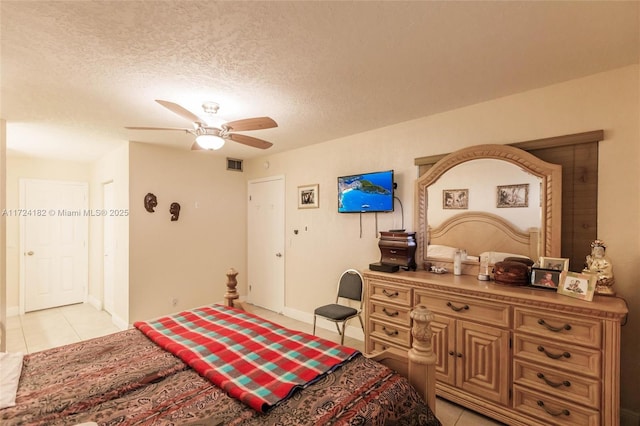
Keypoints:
(455, 198)
(513, 195)
(308, 196)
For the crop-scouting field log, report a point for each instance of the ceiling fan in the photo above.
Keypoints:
(213, 136)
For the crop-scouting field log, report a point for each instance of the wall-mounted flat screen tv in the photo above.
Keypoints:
(366, 192)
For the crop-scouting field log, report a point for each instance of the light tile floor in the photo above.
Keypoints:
(39, 330)
(36, 331)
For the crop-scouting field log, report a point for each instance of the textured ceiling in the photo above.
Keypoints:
(75, 73)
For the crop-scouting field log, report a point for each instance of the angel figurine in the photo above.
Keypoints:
(598, 264)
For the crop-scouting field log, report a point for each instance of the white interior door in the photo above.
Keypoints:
(54, 228)
(109, 247)
(266, 239)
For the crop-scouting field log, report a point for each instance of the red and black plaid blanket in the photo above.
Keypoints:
(250, 358)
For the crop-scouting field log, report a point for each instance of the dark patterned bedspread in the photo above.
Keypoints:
(125, 379)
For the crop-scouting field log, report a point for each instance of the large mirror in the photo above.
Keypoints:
(489, 198)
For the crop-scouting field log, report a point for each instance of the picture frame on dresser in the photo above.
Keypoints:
(545, 278)
(577, 285)
(556, 263)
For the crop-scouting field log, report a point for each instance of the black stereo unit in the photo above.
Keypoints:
(383, 267)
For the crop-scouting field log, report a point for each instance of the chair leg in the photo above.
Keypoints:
(337, 327)
(314, 325)
(361, 323)
(344, 324)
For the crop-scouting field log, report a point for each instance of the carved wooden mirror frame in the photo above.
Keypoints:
(551, 180)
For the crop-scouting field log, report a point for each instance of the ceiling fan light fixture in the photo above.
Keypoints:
(212, 142)
(210, 107)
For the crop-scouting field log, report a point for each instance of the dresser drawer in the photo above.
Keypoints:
(394, 255)
(390, 313)
(574, 359)
(395, 334)
(557, 383)
(476, 310)
(552, 411)
(377, 345)
(582, 331)
(389, 293)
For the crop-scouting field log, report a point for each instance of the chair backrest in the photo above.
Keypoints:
(350, 285)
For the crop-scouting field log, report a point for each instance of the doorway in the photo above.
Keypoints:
(109, 248)
(54, 229)
(266, 238)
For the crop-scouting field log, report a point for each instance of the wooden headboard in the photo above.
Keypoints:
(478, 232)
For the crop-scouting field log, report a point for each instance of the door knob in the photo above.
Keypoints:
(30, 253)
(278, 254)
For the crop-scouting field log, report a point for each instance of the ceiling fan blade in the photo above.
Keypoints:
(181, 111)
(256, 123)
(251, 141)
(157, 128)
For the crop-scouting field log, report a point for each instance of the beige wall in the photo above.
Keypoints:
(30, 168)
(113, 168)
(3, 228)
(608, 101)
(185, 260)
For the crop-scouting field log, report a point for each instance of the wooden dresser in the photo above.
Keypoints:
(520, 355)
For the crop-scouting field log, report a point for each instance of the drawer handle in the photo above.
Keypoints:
(389, 313)
(554, 384)
(552, 328)
(458, 354)
(562, 412)
(389, 294)
(554, 356)
(457, 309)
(390, 333)
(392, 251)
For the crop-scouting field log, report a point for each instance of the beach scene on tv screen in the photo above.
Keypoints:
(366, 192)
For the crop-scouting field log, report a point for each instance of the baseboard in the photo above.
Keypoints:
(629, 418)
(119, 322)
(96, 303)
(351, 331)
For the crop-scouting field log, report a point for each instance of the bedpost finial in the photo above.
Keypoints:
(232, 282)
(422, 351)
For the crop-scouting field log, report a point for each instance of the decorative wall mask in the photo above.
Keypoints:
(175, 211)
(150, 202)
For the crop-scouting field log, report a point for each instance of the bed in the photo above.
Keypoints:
(480, 234)
(125, 378)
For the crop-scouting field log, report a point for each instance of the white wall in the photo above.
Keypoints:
(609, 101)
(185, 260)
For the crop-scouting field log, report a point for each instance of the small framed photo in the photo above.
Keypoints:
(545, 278)
(556, 263)
(580, 286)
(513, 195)
(455, 198)
(308, 196)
